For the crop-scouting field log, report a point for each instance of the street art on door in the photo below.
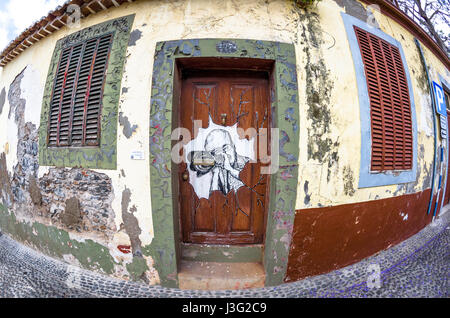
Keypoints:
(215, 157)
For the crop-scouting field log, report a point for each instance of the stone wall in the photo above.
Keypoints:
(89, 192)
(76, 199)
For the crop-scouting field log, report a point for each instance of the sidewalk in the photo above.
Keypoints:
(417, 267)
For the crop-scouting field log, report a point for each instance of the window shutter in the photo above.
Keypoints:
(77, 94)
(390, 107)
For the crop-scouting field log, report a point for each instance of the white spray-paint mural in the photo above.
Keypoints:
(215, 157)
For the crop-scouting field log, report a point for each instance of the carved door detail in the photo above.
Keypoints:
(223, 195)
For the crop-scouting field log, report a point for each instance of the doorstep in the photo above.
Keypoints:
(220, 275)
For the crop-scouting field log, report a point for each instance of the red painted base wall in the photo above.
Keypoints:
(329, 238)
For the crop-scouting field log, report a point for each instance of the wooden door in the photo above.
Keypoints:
(223, 195)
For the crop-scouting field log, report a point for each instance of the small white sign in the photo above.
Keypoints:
(137, 155)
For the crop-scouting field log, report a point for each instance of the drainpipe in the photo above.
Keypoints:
(434, 124)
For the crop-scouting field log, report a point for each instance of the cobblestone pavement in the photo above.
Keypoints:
(417, 267)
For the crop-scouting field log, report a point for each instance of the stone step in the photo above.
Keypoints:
(220, 276)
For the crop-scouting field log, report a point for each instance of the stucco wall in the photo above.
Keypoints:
(329, 126)
(344, 126)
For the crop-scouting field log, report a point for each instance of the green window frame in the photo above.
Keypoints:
(103, 155)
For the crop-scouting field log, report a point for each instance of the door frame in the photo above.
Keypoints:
(165, 246)
(233, 68)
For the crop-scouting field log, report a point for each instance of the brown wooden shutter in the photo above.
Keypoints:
(390, 107)
(77, 94)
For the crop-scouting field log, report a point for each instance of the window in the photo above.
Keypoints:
(76, 100)
(386, 106)
(390, 107)
(78, 126)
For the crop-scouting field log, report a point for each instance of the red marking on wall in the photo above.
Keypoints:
(286, 175)
(126, 249)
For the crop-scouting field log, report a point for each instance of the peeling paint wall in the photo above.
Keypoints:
(104, 221)
(2, 99)
(328, 171)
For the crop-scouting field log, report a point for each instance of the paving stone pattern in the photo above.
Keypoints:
(417, 267)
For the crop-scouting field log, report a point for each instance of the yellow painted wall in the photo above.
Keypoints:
(345, 124)
(329, 182)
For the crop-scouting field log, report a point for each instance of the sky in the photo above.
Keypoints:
(17, 15)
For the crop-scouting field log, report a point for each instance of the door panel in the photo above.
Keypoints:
(224, 197)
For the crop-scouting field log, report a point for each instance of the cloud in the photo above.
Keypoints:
(4, 39)
(18, 15)
(25, 12)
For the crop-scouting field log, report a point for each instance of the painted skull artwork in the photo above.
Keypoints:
(216, 157)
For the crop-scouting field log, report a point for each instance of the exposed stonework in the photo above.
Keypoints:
(5, 185)
(354, 8)
(134, 36)
(130, 223)
(307, 195)
(128, 129)
(35, 192)
(141, 268)
(94, 191)
(2, 99)
(53, 195)
(27, 165)
(72, 214)
(27, 161)
(16, 104)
